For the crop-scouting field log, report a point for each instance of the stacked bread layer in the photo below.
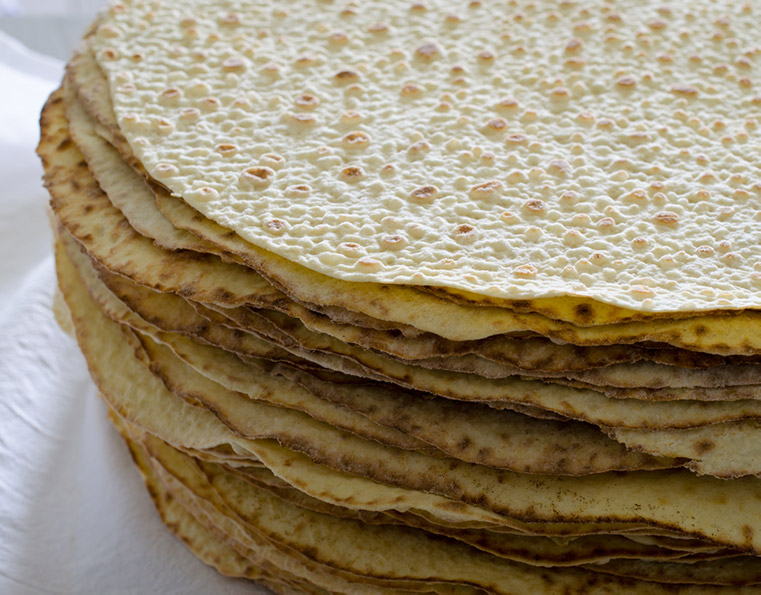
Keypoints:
(320, 434)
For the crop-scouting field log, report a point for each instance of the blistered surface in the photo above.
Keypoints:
(557, 148)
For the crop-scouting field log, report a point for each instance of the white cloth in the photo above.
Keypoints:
(74, 514)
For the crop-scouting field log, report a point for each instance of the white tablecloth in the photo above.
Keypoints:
(74, 515)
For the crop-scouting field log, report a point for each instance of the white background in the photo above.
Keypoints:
(74, 515)
(51, 27)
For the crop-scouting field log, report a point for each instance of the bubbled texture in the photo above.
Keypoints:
(598, 149)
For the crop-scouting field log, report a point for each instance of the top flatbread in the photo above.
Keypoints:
(386, 149)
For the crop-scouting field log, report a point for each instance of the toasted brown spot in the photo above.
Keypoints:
(748, 533)
(424, 194)
(393, 242)
(234, 64)
(535, 206)
(584, 312)
(171, 93)
(496, 124)
(463, 443)
(298, 190)
(560, 93)
(486, 188)
(626, 81)
(226, 149)
(684, 89)
(230, 19)
(307, 101)
(346, 76)
(559, 167)
(573, 45)
(303, 119)
(508, 103)
(465, 234)
(273, 159)
(339, 39)
(666, 218)
(428, 51)
(411, 89)
(418, 148)
(525, 270)
(356, 139)
(258, 175)
(703, 446)
(351, 173)
(642, 290)
(275, 226)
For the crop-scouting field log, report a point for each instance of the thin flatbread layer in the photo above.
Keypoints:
(149, 405)
(677, 371)
(554, 456)
(81, 206)
(133, 197)
(582, 404)
(268, 388)
(386, 553)
(719, 511)
(262, 562)
(726, 450)
(722, 335)
(642, 374)
(731, 572)
(533, 550)
(564, 452)
(573, 407)
(213, 552)
(483, 262)
(92, 89)
(574, 403)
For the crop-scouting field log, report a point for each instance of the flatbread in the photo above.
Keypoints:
(349, 187)
(718, 510)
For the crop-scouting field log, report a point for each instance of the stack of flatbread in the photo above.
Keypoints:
(434, 296)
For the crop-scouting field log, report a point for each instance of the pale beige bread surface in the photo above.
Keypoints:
(440, 316)
(92, 89)
(617, 106)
